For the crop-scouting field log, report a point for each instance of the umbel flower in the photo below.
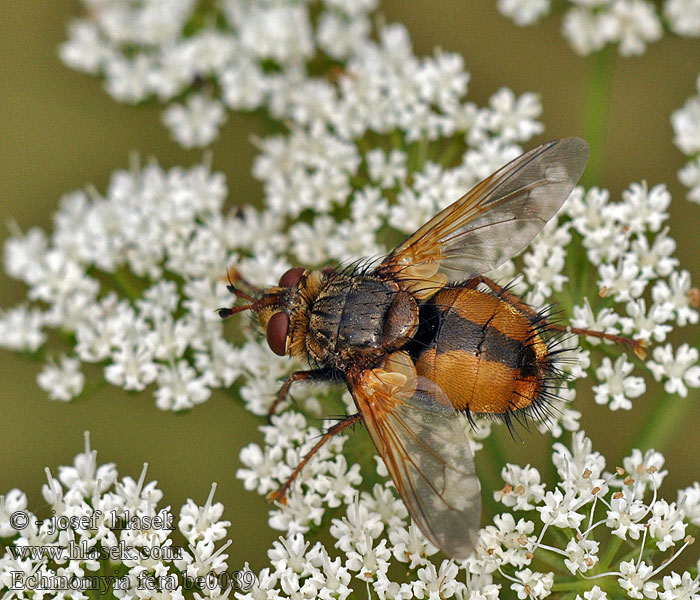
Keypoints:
(686, 127)
(335, 189)
(131, 277)
(202, 59)
(107, 535)
(589, 25)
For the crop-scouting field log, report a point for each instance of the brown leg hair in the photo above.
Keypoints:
(637, 346)
(280, 495)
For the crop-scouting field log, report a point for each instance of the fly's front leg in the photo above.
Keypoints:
(281, 494)
(311, 375)
(637, 346)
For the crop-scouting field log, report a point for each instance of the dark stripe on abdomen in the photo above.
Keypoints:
(458, 333)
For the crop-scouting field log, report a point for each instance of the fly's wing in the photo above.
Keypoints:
(421, 438)
(491, 223)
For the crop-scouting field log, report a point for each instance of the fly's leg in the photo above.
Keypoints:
(637, 346)
(502, 292)
(281, 494)
(312, 375)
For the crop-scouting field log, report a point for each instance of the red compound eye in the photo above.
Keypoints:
(292, 277)
(277, 328)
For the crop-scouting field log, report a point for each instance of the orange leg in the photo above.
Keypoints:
(637, 346)
(313, 375)
(281, 494)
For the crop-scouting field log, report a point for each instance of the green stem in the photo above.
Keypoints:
(491, 477)
(669, 413)
(576, 585)
(606, 560)
(423, 148)
(449, 153)
(597, 104)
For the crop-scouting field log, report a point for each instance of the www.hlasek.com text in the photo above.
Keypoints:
(85, 551)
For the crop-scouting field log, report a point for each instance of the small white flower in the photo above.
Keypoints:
(514, 118)
(689, 502)
(605, 321)
(635, 24)
(656, 259)
(625, 516)
(523, 489)
(356, 526)
(686, 126)
(586, 31)
(634, 580)
(21, 329)
(369, 561)
(196, 123)
(645, 469)
(533, 585)
(179, 387)
(679, 371)
(203, 522)
(676, 296)
(559, 510)
(506, 542)
(624, 281)
(410, 546)
(595, 593)
(436, 583)
(680, 587)
(10, 502)
(62, 380)
(689, 176)
(666, 524)
(387, 171)
(582, 555)
(524, 12)
(617, 388)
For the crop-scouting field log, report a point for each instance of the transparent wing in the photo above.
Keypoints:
(421, 438)
(494, 221)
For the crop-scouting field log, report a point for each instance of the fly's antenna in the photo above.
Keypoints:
(255, 304)
(225, 313)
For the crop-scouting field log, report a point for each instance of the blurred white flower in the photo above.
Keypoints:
(686, 127)
(196, 123)
(62, 379)
(589, 25)
(524, 12)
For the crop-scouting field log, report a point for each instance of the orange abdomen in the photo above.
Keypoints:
(486, 354)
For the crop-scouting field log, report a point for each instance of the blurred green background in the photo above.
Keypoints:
(60, 131)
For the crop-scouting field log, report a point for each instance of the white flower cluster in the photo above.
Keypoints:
(686, 127)
(137, 322)
(229, 54)
(565, 522)
(627, 243)
(588, 25)
(107, 535)
(133, 277)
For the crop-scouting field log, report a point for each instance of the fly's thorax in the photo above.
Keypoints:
(343, 319)
(486, 354)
